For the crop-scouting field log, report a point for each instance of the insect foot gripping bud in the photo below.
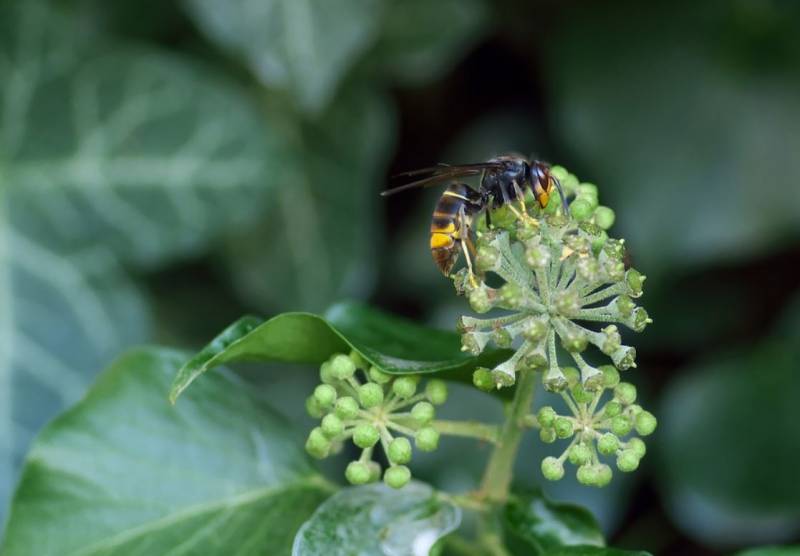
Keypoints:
(376, 411)
(568, 298)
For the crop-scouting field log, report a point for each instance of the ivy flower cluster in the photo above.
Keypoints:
(361, 403)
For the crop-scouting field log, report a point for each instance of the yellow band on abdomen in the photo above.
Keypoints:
(439, 240)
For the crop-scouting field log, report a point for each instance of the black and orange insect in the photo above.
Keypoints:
(504, 180)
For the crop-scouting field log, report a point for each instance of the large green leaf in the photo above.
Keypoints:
(123, 472)
(727, 450)
(771, 551)
(104, 165)
(392, 344)
(594, 551)
(544, 526)
(302, 46)
(375, 519)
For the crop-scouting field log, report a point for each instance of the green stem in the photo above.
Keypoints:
(473, 429)
(497, 476)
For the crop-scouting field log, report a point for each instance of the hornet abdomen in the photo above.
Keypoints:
(450, 224)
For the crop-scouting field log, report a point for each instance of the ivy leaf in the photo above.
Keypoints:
(104, 166)
(394, 345)
(376, 519)
(304, 47)
(771, 551)
(594, 551)
(732, 480)
(546, 527)
(123, 472)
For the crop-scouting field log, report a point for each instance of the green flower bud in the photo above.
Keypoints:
(588, 190)
(599, 242)
(552, 468)
(624, 305)
(399, 450)
(624, 358)
(635, 281)
(358, 473)
(580, 394)
(332, 426)
(537, 256)
(563, 427)
(639, 320)
(326, 373)
(366, 435)
(423, 413)
(625, 393)
(474, 342)
(615, 270)
(346, 408)
(479, 300)
(572, 375)
(579, 454)
(487, 258)
(546, 416)
(427, 439)
(633, 411)
(436, 391)
(378, 376)
(581, 208)
(548, 436)
(502, 338)
(574, 340)
(374, 471)
(621, 425)
(325, 394)
(587, 475)
(317, 444)
(637, 446)
(610, 376)
(313, 408)
(604, 217)
(612, 409)
(566, 302)
(604, 475)
(482, 379)
(645, 423)
(536, 330)
(615, 249)
(608, 444)
(611, 339)
(370, 395)
(358, 361)
(511, 295)
(627, 461)
(342, 367)
(404, 387)
(588, 269)
(397, 476)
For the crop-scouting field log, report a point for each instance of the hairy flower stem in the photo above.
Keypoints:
(497, 476)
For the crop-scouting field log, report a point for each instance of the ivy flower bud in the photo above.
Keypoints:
(579, 454)
(611, 339)
(358, 473)
(474, 342)
(604, 217)
(546, 416)
(580, 394)
(563, 427)
(610, 376)
(638, 320)
(511, 295)
(548, 436)
(502, 338)
(574, 340)
(399, 450)
(358, 360)
(645, 423)
(317, 444)
(397, 476)
(378, 376)
(625, 393)
(608, 444)
(332, 426)
(375, 471)
(581, 209)
(487, 258)
(346, 408)
(404, 387)
(635, 281)
(479, 300)
(366, 435)
(624, 358)
(566, 302)
(436, 391)
(325, 395)
(612, 409)
(604, 475)
(370, 395)
(326, 373)
(342, 367)
(627, 461)
(427, 439)
(536, 330)
(313, 408)
(482, 379)
(423, 413)
(637, 446)
(621, 425)
(587, 475)
(552, 468)
(537, 256)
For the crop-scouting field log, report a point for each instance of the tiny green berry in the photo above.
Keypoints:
(612, 409)
(313, 408)
(358, 473)
(627, 461)
(552, 468)
(580, 454)
(427, 439)
(482, 379)
(610, 376)
(563, 427)
(370, 395)
(479, 300)
(580, 208)
(374, 471)
(325, 394)
(625, 393)
(366, 435)
(580, 394)
(436, 391)
(587, 475)
(397, 476)
(423, 413)
(378, 376)
(645, 423)
(346, 408)
(604, 475)
(604, 217)
(326, 373)
(588, 190)
(399, 450)
(332, 426)
(317, 444)
(608, 444)
(621, 425)
(637, 446)
(548, 436)
(342, 367)
(404, 387)
(546, 416)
